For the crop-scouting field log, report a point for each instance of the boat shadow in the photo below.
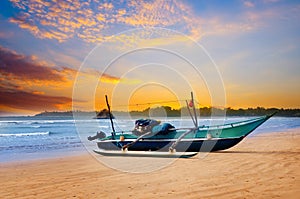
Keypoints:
(259, 152)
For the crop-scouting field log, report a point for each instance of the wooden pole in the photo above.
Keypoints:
(110, 117)
(188, 108)
(195, 114)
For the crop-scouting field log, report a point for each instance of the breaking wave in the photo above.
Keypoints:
(26, 134)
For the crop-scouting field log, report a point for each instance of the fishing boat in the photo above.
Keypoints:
(152, 138)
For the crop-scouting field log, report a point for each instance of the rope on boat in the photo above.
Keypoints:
(157, 102)
(172, 147)
(148, 103)
(233, 124)
(135, 141)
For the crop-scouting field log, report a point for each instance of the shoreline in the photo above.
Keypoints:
(260, 166)
(83, 151)
(15, 150)
(80, 151)
(34, 159)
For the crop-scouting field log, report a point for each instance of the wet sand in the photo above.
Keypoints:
(262, 166)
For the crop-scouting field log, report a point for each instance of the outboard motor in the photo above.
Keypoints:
(99, 135)
(143, 126)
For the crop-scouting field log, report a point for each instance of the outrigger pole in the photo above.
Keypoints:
(188, 108)
(194, 109)
(195, 121)
(110, 117)
(193, 116)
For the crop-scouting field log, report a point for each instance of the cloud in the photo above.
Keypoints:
(105, 78)
(6, 35)
(97, 21)
(270, 1)
(249, 20)
(109, 79)
(33, 101)
(17, 66)
(249, 4)
(217, 26)
(17, 69)
(21, 21)
(25, 80)
(27, 83)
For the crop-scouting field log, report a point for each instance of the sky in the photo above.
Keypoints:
(68, 54)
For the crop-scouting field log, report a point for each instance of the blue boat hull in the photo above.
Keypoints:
(205, 138)
(196, 145)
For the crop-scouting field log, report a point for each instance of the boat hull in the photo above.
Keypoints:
(196, 145)
(204, 139)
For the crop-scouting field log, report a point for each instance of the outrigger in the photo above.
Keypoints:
(150, 138)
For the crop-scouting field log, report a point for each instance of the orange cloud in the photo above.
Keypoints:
(56, 20)
(65, 19)
(109, 79)
(17, 66)
(38, 92)
(33, 101)
(105, 78)
(24, 81)
(86, 22)
(51, 34)
(25, 25)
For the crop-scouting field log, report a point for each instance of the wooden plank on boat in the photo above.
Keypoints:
(154, 154)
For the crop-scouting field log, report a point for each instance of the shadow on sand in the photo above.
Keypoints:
(259, 152)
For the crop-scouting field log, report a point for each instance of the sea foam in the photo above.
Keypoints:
(26, 134)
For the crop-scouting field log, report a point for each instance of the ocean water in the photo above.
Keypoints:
(28, 138)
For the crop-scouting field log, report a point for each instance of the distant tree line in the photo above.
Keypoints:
(166, 111)
(54, 113)
(212, 111)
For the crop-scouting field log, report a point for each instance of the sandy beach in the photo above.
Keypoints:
(261, 166)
